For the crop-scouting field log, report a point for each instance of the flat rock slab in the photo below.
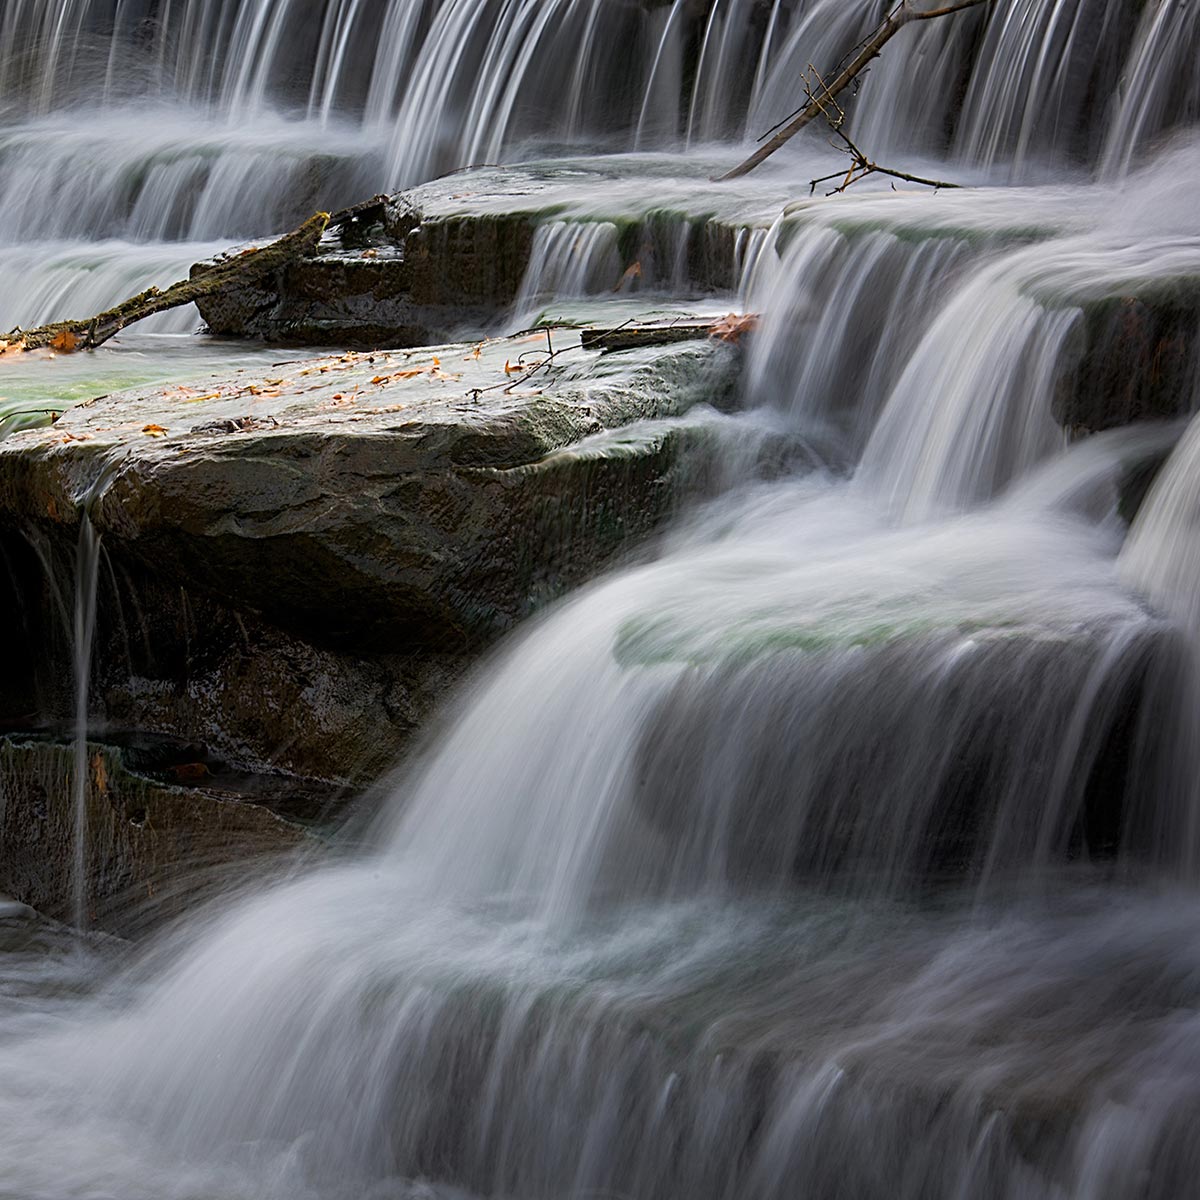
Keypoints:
(379, 499)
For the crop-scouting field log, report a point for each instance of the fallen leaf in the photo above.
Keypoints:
(65, 343)
(409, 374)
(632, 272)
(190, 771)
(17, 347)
(732, 327)
(154, 430)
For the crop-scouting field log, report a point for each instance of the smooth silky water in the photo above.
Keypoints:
(795, 861)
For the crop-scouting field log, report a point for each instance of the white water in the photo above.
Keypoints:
(848, 847)
(144, 121)
(87, 577)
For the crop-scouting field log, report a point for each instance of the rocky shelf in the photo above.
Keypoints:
(422, 266)
(296, 566)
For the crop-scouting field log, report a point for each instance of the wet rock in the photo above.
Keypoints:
(146, 840)
(419, 267)
(1138, 359)
(378, 501)
(296, 569)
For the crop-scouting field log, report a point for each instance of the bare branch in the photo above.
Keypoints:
(896, 20)
(860, 165)
(249, 265)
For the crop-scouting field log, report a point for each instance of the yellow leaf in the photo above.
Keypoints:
(154, 430)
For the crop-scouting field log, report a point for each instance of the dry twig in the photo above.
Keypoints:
(903, 14)
(860, 165)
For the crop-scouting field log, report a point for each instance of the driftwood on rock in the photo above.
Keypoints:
(240, 268)
(638, 335)
(903, 14)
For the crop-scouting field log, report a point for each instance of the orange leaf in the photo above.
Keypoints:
(411, 374)
(731, 328)
(154, 430)
(65, 342)
(632, 272)
(185, 772)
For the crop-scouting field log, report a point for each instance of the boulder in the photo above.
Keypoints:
(295, 569)
(379, 501)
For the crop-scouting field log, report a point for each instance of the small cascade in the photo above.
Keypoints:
(1162, 556)
(62, 280)
(87, 577)
(1159, 89)
(569, 259)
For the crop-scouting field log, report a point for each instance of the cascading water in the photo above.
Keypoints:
(124, 123)
(87, 578)
(850, 846)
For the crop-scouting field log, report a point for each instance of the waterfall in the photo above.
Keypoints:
(201, 121)
(87, 575)
(569, 259)
(845, 843)
(1162, 555)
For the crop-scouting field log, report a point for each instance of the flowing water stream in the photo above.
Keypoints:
(849, 848)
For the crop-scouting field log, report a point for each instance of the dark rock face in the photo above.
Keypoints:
(1138, 359)
(377, 502)
(144, 837)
